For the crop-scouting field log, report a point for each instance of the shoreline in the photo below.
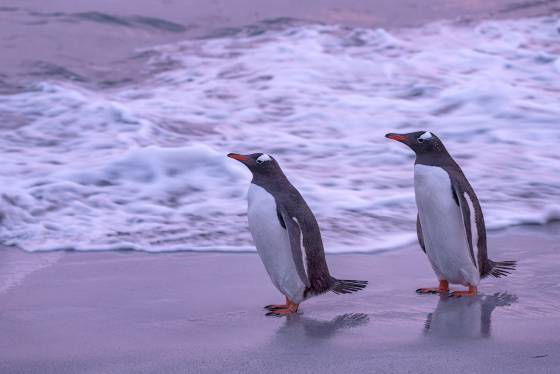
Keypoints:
(526, 228)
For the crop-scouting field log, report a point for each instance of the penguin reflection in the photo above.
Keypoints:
(297, 325)
(465, 317)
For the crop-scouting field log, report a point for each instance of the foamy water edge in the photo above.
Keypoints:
(143, 167)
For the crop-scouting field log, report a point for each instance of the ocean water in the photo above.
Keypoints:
(141, 165)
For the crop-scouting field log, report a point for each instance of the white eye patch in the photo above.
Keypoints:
(426, 135)
(262, 158)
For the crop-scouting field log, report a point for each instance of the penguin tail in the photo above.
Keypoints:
(342, 286)
(502, 268)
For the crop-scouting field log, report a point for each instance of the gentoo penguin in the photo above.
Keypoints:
(450, 224)
(287, 236)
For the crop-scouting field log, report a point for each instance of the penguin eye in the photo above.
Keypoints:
(420, 140)
(259, 161)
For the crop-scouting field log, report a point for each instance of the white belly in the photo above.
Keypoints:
(273, 243)
(442, 227)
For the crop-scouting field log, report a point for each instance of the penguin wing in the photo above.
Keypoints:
(473, 219)
(419, 233)
(304, 232)
(294, 234)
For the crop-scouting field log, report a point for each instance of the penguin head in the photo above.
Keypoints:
(421, 142)
(260, 164)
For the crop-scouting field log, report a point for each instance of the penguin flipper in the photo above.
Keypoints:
(459, 196)
(305, 237)
(462, 191)
(294, 233)
(485, 265)
(419, 233)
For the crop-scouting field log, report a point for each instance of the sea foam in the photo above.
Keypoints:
(143, 166)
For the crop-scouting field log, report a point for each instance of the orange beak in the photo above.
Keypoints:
(397, 137)
(237, 156)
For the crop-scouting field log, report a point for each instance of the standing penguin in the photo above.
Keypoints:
(281, 223)
(450, 224)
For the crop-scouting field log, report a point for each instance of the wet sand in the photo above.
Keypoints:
(115, 312)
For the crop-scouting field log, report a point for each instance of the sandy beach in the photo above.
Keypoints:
(115, 312)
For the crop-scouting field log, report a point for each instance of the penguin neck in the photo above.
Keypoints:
(272, 183)
(441, 158)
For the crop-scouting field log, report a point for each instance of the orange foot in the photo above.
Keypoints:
(443, 288)
(471, 292)
(290, 308)
(278, 306)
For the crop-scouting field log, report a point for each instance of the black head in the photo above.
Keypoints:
(421, 142)
(260, 164)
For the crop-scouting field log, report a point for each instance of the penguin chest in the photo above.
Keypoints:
(273, 243)
(442, 224)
